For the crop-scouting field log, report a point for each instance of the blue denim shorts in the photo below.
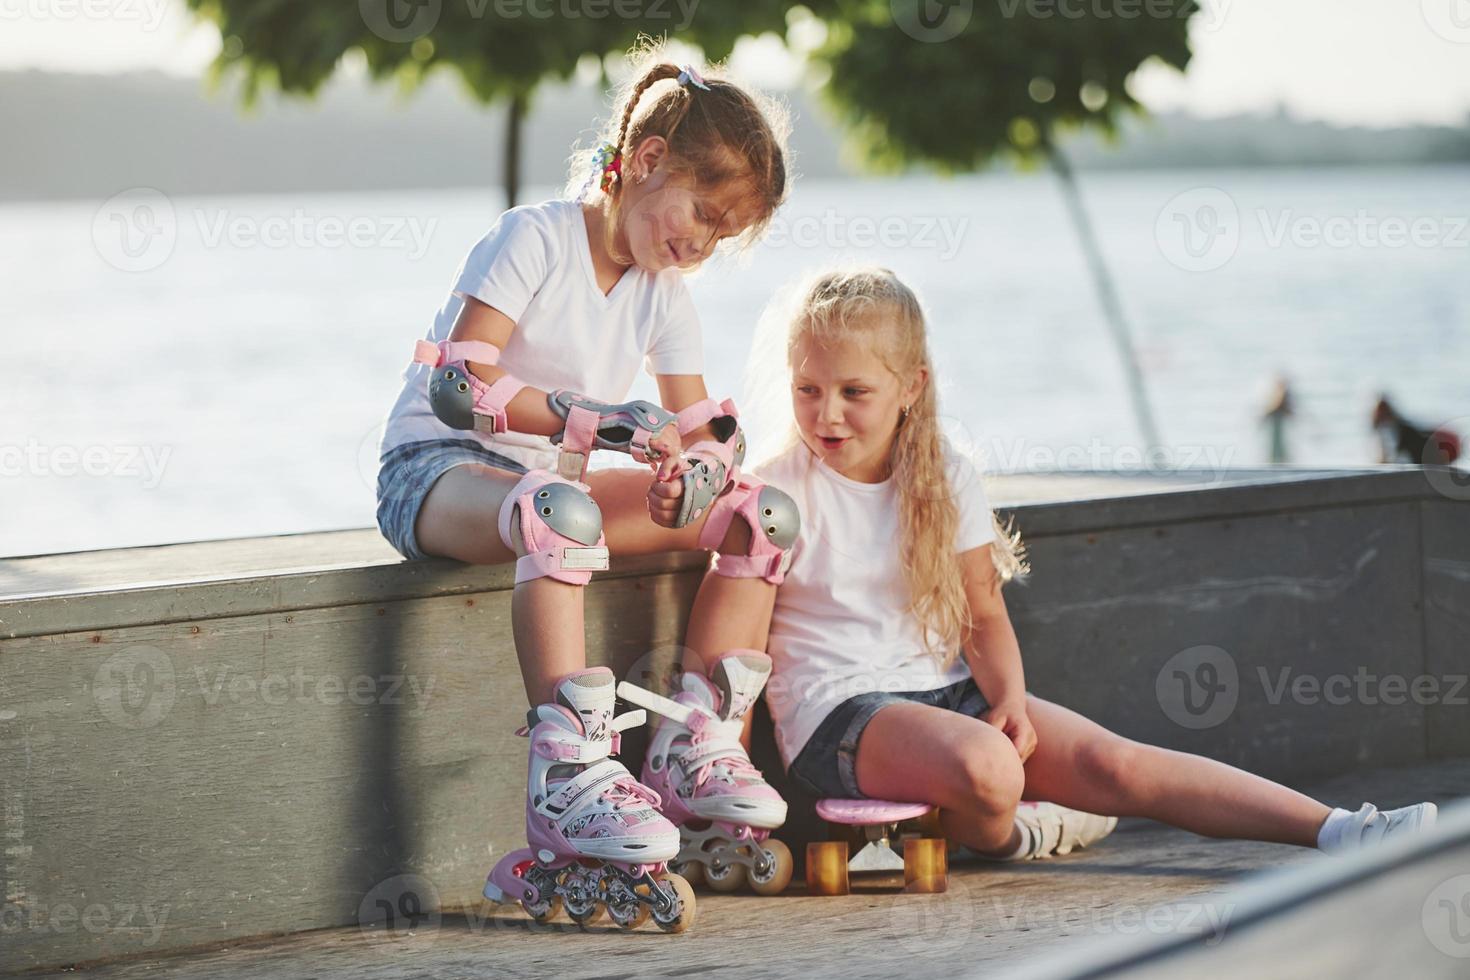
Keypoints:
(827, 764)
(406, 474)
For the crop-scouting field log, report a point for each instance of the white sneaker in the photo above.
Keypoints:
(1369, 825)
(1059, 830)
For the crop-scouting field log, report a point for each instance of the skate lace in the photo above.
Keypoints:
(737, 765)
(630, 794)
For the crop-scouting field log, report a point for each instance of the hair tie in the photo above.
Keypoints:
(687, 74)
(607, 168)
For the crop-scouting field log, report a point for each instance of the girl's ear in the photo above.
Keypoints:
(915, 387)
(647, 156)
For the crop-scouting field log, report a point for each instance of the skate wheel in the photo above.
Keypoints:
(690, 871)
(630, 916)
(725, 877)
(778, 875)
(682, 916)
(584, 916)
(545, 910)
(925, 865)
(826, 868)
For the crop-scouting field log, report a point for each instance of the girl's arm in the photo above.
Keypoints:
(992, 652)
(528, 411)
(677, 392)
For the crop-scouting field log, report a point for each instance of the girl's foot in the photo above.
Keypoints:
(1046, 829)
(1054, 829)
(1344, 830)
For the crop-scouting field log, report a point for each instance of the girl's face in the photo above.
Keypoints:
(666, 222)
(848, 405)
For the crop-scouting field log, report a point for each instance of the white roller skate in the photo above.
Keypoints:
(724, 808)
(597, 840)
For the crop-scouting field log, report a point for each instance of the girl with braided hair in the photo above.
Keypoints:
(524, 372)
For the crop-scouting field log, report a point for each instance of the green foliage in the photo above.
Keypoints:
(1010, 77)
(501, 48)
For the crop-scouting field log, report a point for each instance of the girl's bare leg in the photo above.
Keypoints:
(1082, 765)
(966, 767)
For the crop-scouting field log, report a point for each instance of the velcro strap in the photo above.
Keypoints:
(553, 743)
(591, 780)
(581, 430)
(449, 351)
(629, 719)
(701, 412)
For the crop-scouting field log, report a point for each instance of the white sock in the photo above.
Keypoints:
(1329, 838)
(1026, 846)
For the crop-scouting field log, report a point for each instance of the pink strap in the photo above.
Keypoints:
(581, 430)
(449, 351)
(701, 412)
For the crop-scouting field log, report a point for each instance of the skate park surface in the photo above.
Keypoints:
(225, 759)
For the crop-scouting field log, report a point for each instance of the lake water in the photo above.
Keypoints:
(211, 367)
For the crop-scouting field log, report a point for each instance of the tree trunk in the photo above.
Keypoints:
(1107, 294)
(515, 118)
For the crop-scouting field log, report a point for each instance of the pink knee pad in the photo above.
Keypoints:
(773, 520)
(561, 528)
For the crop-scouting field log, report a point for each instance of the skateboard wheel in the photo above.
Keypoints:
(925, 865)
(778, 875)
(826, 868)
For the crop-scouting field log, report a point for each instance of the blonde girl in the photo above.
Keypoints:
(897, 672)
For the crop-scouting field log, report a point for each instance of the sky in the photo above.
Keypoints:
(1350, 62)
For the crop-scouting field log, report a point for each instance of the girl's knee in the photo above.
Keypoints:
(990, 780)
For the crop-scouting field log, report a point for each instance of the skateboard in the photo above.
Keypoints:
(923, 862)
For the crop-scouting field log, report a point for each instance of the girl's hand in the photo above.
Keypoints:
(1011, 718)
(664, 501)
(671, 463)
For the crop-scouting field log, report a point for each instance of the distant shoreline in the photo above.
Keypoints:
(90, 136)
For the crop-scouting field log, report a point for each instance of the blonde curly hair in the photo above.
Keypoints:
(871, 306)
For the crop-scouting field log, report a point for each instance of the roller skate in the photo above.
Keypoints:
(723, 807)
(597, 841)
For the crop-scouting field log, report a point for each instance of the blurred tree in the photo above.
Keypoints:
(955, 84)
(502, 49)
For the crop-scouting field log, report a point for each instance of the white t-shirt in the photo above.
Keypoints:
(841, 625)
(535, 266)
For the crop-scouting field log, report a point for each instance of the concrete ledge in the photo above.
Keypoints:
(255, 735)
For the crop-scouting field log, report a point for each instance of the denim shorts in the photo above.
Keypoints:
(405, 475)
(827, 764)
